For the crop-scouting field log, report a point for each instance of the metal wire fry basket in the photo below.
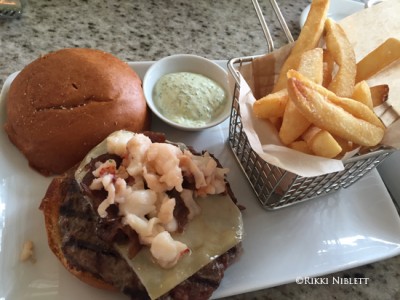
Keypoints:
(275, 187)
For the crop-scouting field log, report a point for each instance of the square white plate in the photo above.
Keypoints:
(349, 228)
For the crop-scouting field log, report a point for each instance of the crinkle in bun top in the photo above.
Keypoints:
(64, 103)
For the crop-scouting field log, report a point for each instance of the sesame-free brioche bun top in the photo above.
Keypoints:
(64, 103)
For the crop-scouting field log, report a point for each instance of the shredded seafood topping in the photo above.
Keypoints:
(139, 186)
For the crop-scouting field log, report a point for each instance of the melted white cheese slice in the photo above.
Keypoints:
(217, 229)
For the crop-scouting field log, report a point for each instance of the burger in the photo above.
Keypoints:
(65, 102)
(145, 216)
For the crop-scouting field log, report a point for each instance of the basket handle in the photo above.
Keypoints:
(267, 35)
(264, 26)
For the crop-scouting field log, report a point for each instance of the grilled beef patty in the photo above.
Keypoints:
(87, 243)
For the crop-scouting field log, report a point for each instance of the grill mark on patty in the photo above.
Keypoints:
(84, 249)
(67, 211)
(86, 245)
(205, 281)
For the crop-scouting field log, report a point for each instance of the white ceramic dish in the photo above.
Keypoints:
(352, 227)
(338, 9)
(186, 63)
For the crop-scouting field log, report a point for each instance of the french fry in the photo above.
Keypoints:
(308, 39)
(301, 146)
(362, 93)
(378, 59)
(328, 66)
(322, 143)
(355, 108)
(379, 94)
(344, 144)
(310, 133)
(276, 122)
(271, 106)
(294, 123)
(331, 117)
(321, 103)
(311, 65)
(343, 54)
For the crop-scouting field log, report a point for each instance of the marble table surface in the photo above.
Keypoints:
(150, 30)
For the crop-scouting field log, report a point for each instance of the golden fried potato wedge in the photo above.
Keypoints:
(276, 122)
(271, 106)
(301, 146)
(343, 54)
(322, 143)
(294, 123)
(310, 133)
(311, 65)
(378, 59)
(379, 94)
(346, 145)
(362, 93)
(328, 116)
(328, 66)
(355, 108)
(308, 39)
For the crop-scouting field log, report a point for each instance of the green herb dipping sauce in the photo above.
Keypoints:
(189, 99)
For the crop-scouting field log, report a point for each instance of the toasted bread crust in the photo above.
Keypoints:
(64, 103)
